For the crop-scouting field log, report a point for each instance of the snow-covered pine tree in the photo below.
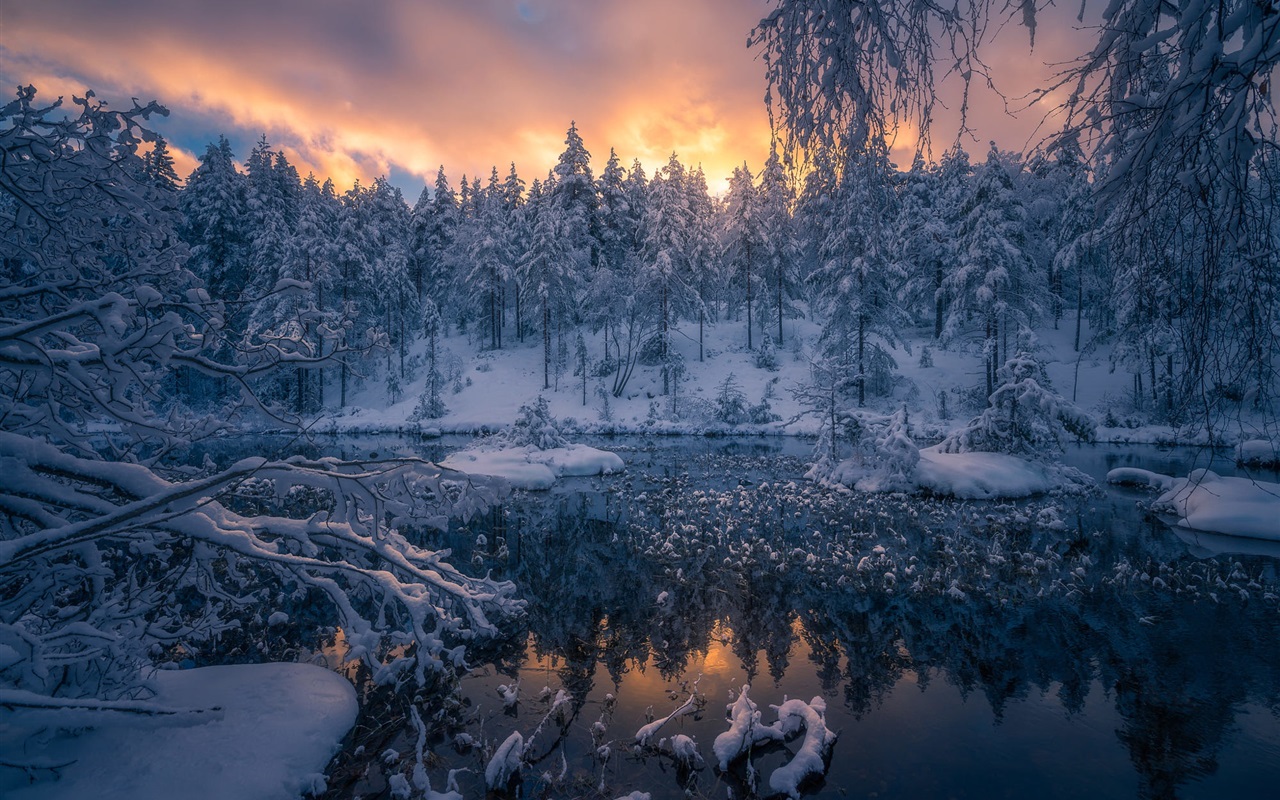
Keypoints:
(744, 239)
(548, 271)
(214, 213)
(703, 249)
(490, 259)
(159, 166)
(430, 404)
(779, 248)
(664, 266)
(353, 255)
(575, 196)
(1024, 417)
(395, 303)
(993, 285)
(859, 282)
(922, 240)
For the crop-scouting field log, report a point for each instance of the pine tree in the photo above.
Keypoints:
(859, 283)
(744, 238)
(430, 405)
(779, 250)
(993, 283)
(159, 168)
(491, 259)
(395, 303)
(664, 271)
(548, 271)
(922, 240)
(575, 196)
(214, 208)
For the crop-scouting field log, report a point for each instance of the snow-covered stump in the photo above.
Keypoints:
(506, 763)
(810, 761)
(746, 733)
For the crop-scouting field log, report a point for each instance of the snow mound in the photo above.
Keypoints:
(1258, 451)
(1206, 501)
(280, 724)
(988, 476)
(528, 467)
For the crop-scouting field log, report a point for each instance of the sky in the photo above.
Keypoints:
(400, 87)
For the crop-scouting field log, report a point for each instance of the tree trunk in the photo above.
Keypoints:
(546, 344)
(779, 305)
(937, 299)
(862, 362)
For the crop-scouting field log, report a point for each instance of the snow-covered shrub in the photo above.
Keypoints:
(895, 456)
(926, 357)
(730, 403)
(1023, 417)
(534, 427)
(767, 355)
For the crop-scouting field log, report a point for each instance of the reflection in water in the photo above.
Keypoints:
(1059, 647)
(1063, 647)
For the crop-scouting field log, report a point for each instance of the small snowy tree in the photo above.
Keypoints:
(730, 403)
(1022, 417)
(430, 405)
(534, 427)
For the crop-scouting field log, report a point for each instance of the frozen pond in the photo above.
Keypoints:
(1058, 647)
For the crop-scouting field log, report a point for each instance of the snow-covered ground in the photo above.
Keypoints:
(277, 727)
(943, 394)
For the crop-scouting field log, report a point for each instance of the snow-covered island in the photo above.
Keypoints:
(532, 453)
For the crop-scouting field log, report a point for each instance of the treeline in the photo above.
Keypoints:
(969, 254)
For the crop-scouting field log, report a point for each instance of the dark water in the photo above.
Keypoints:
(1057, 647)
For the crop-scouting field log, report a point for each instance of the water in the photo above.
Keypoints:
(1057, 647)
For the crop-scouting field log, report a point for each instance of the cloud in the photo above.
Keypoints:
(401, 86)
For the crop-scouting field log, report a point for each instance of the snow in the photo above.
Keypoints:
(528, 467)
(794, 716)
(280, 724)
(1258, 451)
(810, 759)
(505, 763)
(1206, 501)
(494, 384)
(983, 476)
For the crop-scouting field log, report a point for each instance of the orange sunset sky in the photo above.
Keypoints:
(399, 87)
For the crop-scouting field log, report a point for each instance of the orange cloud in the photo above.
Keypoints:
(401, 86)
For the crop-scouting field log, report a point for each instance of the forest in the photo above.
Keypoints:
(144, 313)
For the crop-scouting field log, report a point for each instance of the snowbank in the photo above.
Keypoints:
(530, 468)
(1206, 501)
(1258, 451)
(280, 724)
(986, 476)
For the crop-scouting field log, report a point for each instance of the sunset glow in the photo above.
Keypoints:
(400, 88)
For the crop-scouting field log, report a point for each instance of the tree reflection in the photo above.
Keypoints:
(879, 589)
